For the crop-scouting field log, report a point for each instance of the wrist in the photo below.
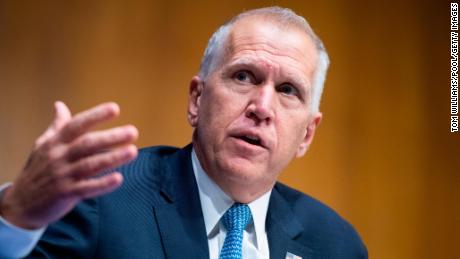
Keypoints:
(8, 211)
(3, 189)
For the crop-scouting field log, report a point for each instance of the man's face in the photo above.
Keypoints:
(252, 114)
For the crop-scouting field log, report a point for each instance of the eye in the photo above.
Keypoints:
(244, 76)
(288, 89)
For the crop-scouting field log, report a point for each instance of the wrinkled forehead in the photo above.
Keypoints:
(286, 43)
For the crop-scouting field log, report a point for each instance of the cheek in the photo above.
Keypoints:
(292, 132)
(223, 105)
(219, 108)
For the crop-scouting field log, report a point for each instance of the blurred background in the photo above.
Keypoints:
(383, 157)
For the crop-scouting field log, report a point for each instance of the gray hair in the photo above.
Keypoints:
(284, 16)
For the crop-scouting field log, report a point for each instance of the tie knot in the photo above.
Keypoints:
(237, 217)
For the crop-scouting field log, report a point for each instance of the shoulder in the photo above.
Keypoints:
(154, 153)
(149, 160)
(150, 170)
(324, 229)
(309, 209)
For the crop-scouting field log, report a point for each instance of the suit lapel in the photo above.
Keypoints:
(180, 218)
(282, 229)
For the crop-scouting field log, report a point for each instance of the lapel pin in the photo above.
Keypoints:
(292, 256)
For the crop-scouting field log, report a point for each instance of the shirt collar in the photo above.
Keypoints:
(215, 202)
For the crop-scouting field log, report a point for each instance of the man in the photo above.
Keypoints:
(254, 107)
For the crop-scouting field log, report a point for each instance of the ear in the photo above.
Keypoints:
(194, 95)
(313, 123)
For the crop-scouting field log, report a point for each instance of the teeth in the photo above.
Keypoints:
(252, 138)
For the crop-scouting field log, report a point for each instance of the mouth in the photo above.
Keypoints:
(251, 139)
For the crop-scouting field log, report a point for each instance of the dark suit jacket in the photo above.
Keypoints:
(156, 213)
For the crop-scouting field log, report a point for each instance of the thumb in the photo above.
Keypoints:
(61, 116)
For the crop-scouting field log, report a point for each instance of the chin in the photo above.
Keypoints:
(240, 170)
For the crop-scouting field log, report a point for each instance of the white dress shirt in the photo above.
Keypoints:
(214, 203)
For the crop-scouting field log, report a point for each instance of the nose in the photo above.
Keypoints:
(261, 106)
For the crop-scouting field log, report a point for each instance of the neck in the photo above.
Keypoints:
(237, 189)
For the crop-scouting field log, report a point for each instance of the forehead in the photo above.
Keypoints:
(287, 48)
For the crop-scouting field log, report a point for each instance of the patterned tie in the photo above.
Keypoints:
(235, 221)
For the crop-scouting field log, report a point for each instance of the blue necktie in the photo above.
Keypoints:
(235, 221)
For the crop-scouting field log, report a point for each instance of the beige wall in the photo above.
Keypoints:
(383, 157)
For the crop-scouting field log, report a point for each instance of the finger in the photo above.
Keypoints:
(92, 165)
(61, 116)
(98, 141)
(93, 187)
(84, 121)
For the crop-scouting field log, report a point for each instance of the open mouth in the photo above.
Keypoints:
(251, 140)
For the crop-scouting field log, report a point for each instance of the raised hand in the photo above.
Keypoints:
(64, 164)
